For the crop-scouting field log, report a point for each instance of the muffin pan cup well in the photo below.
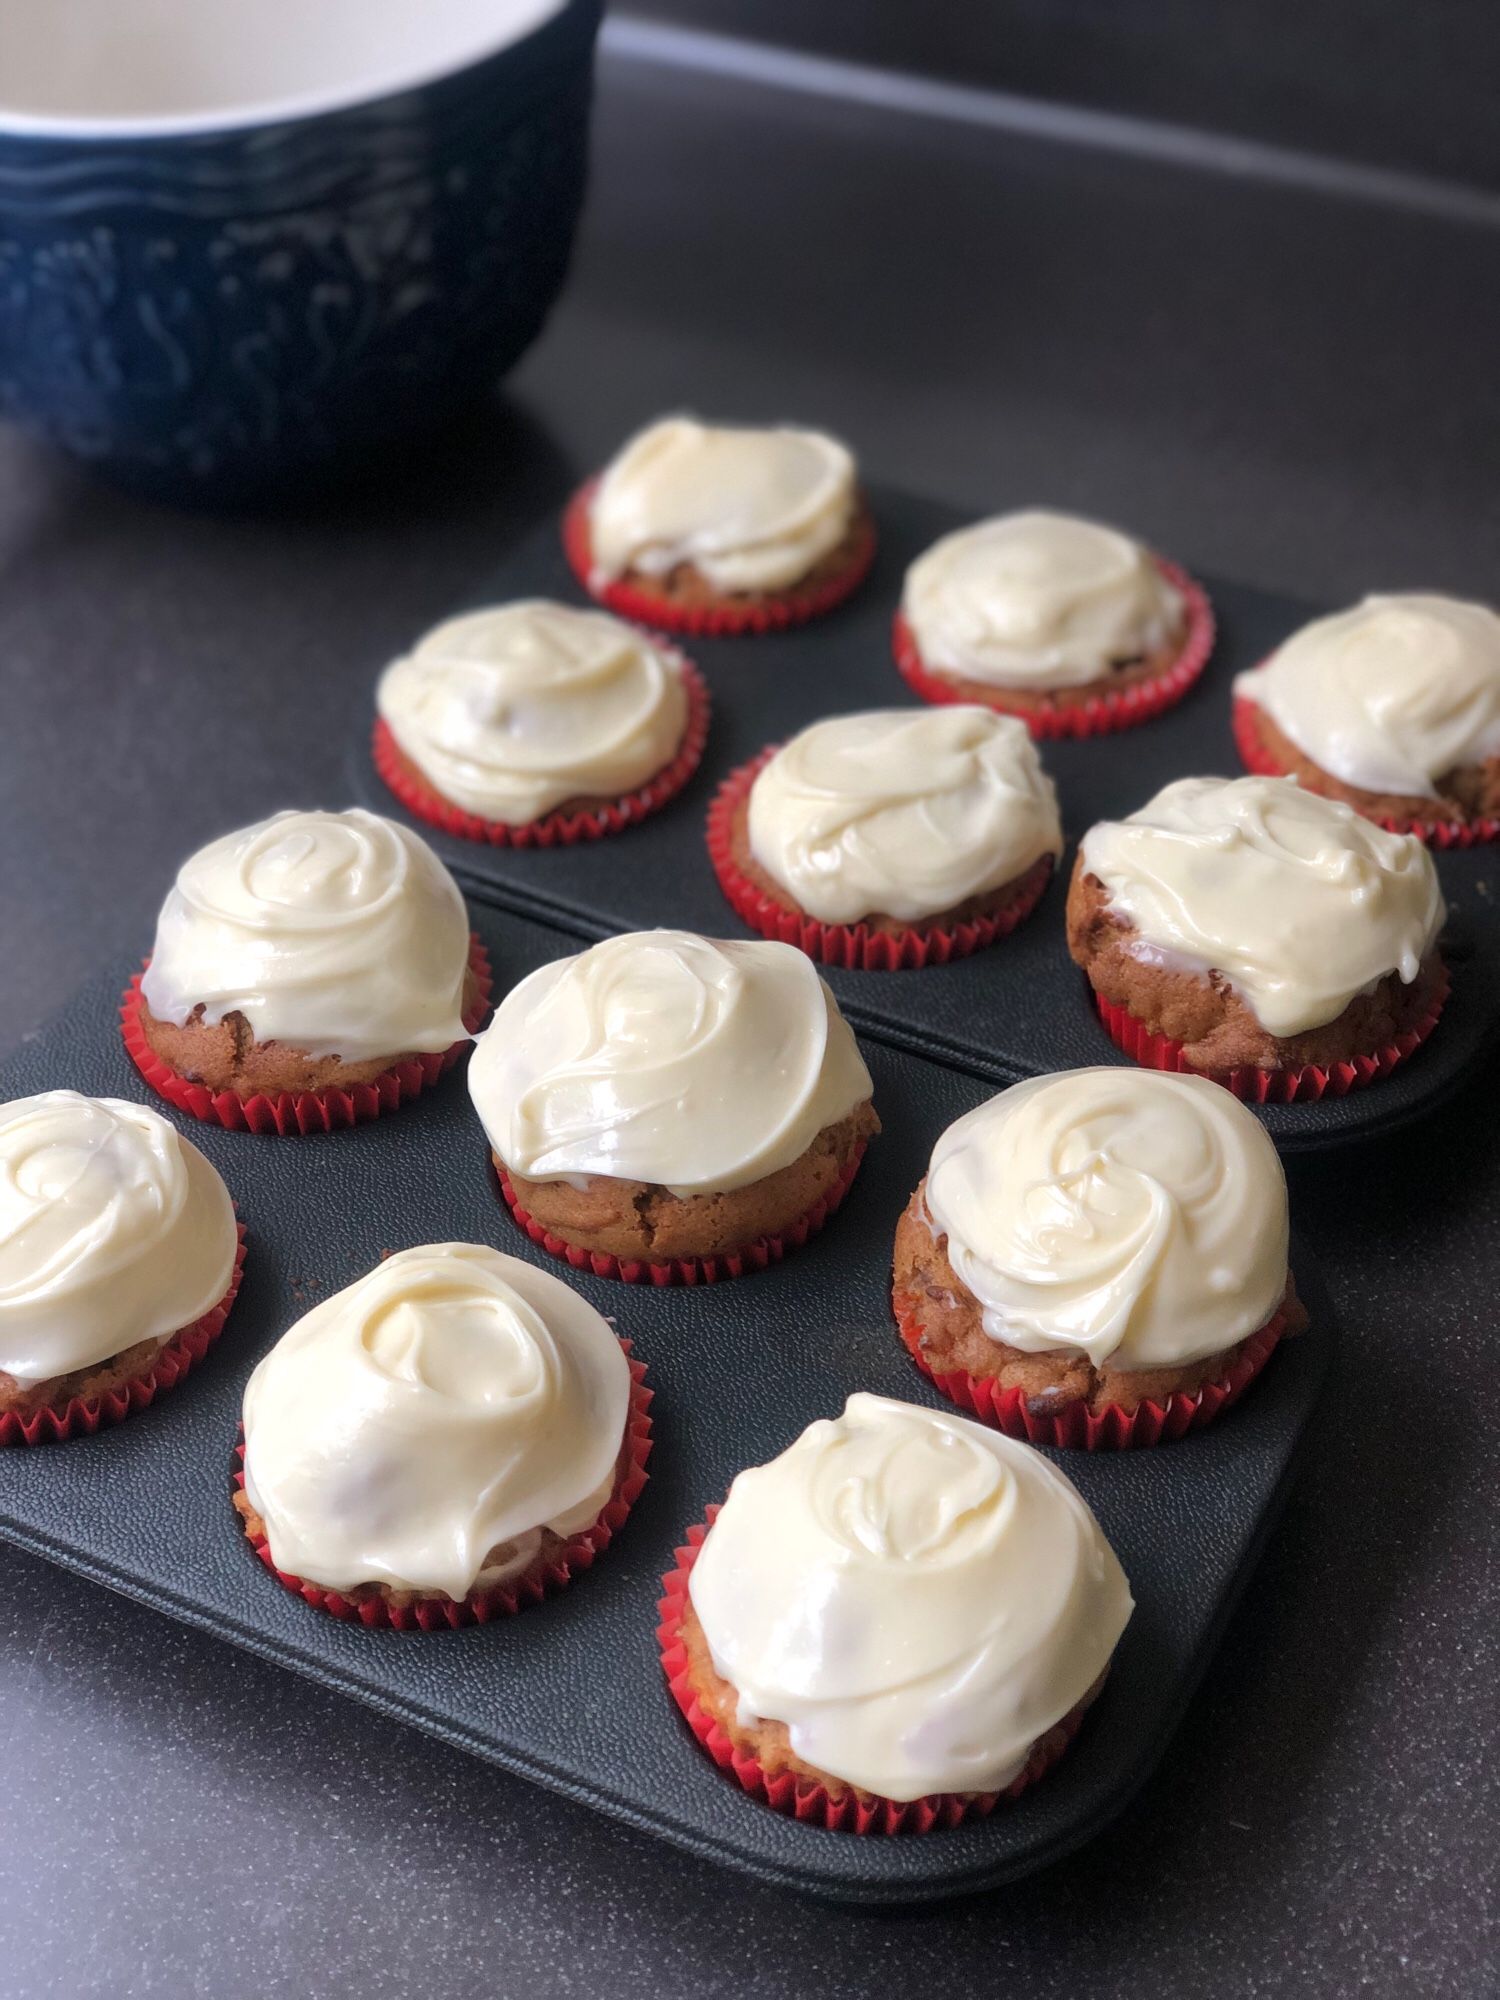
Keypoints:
(571, 1693)
(1017, 1007)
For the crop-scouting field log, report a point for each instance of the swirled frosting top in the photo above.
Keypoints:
(1038, 600)
(113, 1230)
(1391, 695)
(749, 509)
(512, 711)
(1137, 1217)
(423, 1427)
(917, 1597)
(904, 812)
(339, 933)
(698, 1064)
(1295, 899)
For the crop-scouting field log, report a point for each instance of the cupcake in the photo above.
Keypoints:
(532, 723)
(446, 1439)
(897, 838)
(896, 1622)
(310, 970)
(1393, 707)
(665, 1106)
(1072, 626)
(1255, 932)
(1098, 1257)
(702, 529)
(119, 1260)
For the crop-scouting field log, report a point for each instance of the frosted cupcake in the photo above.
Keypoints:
(532, 723)
(445, 1440)
(119, 1260)
(896, 1622)
(698, 528)
(1393, 707)
(1252, 931)
(670, 1106)
(1098, 1257)
(1074, 627)
(313, 969)
(899, 838)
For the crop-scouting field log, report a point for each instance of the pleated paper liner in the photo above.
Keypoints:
(299, 1111)
(82, 1416)
(804, 1798)
(1113, 1428)
(856, 947)
(1308, 1083)
(719, 618)
(1443, 834)
(500, 1600)
(757, 1256)
(560, 828)
(1095, 714)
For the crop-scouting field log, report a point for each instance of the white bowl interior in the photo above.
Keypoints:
(155, 65)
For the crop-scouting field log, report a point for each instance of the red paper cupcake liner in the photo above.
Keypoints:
(1076, 1428)
(1437, 833)
(1305, 1084)
(854, 946)
(501, 1600)
(81, 1416)
(1096, 714)
(559, 828)
(289, 1111)
(757, 1256)
(724, 617)
(804, 1798)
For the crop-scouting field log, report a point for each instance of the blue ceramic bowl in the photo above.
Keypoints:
(223, 299)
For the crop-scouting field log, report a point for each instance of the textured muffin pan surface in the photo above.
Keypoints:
(570, 1693)
(1019, 1007)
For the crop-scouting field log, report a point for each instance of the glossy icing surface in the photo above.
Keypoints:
(1391, 695)
(515, 710)
(904, 812)
(1038, 600)
(338, 933)
(1295, 899)
(423, 1426)
(748, 509)
(917, 1597)
(113, 1230)
(695, 1063)
(1137, 1217)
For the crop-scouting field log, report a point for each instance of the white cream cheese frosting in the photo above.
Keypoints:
(512, 711)
(694, 1063)
(916, 1597)
(1038, 600)
(113, 1230)
(1295, 899)
(749, 509)
(1391, 695)
(423, 1426)
(1135, 1217)
(338, 933)
(903, 811)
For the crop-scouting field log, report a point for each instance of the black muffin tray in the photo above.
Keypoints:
(570, 1693)
(1021, 1007)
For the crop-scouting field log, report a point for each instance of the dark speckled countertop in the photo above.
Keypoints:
(1293, 389)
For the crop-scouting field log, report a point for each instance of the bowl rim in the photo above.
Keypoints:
(296, 108)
